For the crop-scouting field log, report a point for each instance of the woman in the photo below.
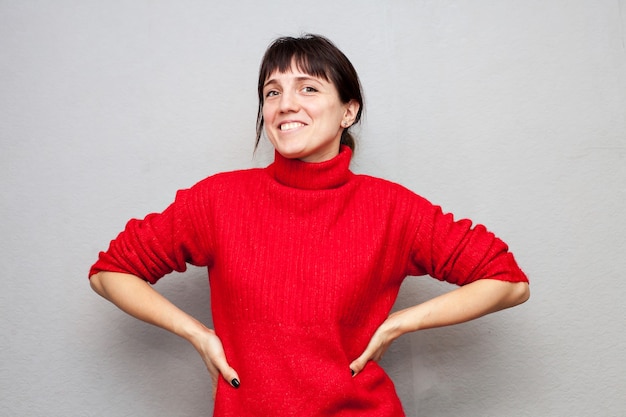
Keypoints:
(305, 258)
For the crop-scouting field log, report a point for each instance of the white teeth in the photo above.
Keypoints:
(289, 126)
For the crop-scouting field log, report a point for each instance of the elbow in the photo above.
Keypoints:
(509, 294)
(95, 281)
(520, 293)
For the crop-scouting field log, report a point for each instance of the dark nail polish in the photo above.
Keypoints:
(352, 372)
(235, 383)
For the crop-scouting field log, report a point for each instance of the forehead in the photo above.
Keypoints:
(297, 66)
(293, 74)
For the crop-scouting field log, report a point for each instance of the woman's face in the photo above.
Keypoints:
(303, 115)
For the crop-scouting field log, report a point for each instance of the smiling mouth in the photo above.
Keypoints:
(290, 126)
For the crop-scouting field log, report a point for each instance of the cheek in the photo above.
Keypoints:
(268, 122)
(335, 111)
(267, 113)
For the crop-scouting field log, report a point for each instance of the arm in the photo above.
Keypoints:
(473, 258)
(136, 297)
(465, 303)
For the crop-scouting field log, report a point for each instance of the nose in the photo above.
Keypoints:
(288, 102)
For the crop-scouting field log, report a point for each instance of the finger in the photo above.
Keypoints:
(358, 364)
(231, 376)
(373, 352)
(226, 371)
(214, 386)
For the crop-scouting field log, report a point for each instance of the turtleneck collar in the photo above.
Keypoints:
(310, 175)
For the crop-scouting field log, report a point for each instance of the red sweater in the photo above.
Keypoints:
(305, 262)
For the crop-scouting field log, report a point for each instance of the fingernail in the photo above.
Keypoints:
(351, 370)
(235, 383)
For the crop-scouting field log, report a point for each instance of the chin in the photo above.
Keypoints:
(291, 152)
(292, 155)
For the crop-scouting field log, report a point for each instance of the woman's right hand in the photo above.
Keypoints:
(137, 298)
(210, 348)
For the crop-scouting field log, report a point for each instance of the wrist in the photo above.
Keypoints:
(402, 322)
(193, 330)
(395, 325)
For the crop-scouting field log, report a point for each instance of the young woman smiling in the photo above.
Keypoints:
(304, 117)
(305, 258)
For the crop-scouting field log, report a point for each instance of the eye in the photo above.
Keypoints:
(309, 89)
(271, 93)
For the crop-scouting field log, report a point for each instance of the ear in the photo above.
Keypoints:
(352, 109)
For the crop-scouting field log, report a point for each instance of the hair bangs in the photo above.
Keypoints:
(285, 53)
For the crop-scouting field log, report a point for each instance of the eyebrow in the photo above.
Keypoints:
(300, 79)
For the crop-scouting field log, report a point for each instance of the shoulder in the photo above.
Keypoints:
(221, 185)
(388, 188)
(230, 178)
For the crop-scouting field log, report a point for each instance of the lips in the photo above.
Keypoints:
(290, 126)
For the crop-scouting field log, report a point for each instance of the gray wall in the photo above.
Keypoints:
(512, 113)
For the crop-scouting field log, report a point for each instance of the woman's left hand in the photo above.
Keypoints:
(457, 306)
(386, 333)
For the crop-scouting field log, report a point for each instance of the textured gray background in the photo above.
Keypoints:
(512, 113)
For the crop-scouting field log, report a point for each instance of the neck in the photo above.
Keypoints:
(328, 174)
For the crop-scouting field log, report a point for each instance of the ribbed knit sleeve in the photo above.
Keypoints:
(160, 243)
(459, 252)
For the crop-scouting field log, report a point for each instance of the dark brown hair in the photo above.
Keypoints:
(317, 56)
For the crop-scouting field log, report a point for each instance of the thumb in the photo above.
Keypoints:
(218, 365)
(228, 373)
(231, 376)
(358, 364)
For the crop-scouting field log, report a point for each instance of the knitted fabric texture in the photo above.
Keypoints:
(305, 262)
